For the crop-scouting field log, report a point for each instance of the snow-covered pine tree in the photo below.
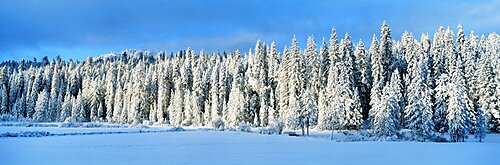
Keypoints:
(333, 116)
(176, 105)
(363, 65)
(42, 107)
(261, 80)
(449, 52)
(65, 114)
(492, 50)
(384, 121)
(347, 82)
(425, 43)
(458, 78)
(485, 85)
(274, 60)
(457, 114)
(418, 112)
(441, 104)
(323, 108)
(385, 51)
(310, 110)
(333, 50)
(110, 91)
(283, 90)
(461, 46)
(188, 109)
(92, 102)
(312, 62)
(324, 65)
(294, 116)
(215, 100)
(253, 108)
(16, 93)
(4, 99)
(295, 85)
(237, 104)
(198, 95)
(437, 53)
(377, 75)
(480, 125)
(20, 107)
(328, 118)
(118, 104)
(77, 110)
(55, 96)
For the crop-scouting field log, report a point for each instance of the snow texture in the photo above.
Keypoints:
(205, 146)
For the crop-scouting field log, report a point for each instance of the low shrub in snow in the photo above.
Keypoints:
(70, 124)
(148, 123)
(6, 117)
(26, 134)
(187, 122)
(438, 138)
(268, 130)
(138, 126)
(218, 124)
(277, 127)
(244, 127)
(177, 129)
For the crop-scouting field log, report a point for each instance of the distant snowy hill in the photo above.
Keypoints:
(130, 53)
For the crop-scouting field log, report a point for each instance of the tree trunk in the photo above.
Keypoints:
(332, 135)
(308, 130)
(307, 126)
(302, 130)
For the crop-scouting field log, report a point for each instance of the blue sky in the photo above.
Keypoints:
(80, 28)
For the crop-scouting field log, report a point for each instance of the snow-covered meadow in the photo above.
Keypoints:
(117, 144)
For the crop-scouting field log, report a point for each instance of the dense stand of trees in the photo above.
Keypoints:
(448, 84)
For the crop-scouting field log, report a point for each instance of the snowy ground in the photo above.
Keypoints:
(169, 146)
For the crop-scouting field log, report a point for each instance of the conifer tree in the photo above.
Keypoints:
(42, 107)
(363, 65)
(324, 64)
(486, 90)
(441, 104)
(295, 85)
(309, 111)
(110, 92)
(66, 108)
(312, 65)
(385, 122)
(457, 114)
(480, 125)
(418, 112)
(385, 51)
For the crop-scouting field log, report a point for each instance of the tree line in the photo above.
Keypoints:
(447, 84)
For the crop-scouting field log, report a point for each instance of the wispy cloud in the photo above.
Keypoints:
(76, 29)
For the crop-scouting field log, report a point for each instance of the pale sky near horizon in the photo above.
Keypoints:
(80, 28)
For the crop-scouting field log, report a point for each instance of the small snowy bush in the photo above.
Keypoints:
(177, 129)
(438, 138)
(92, 125)
(70, 125)
(6, 117)
(218, 124)
(147, 122)
(244, 127)
(26, 134)
(277, 127)
(267, 130)
(187, 123)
